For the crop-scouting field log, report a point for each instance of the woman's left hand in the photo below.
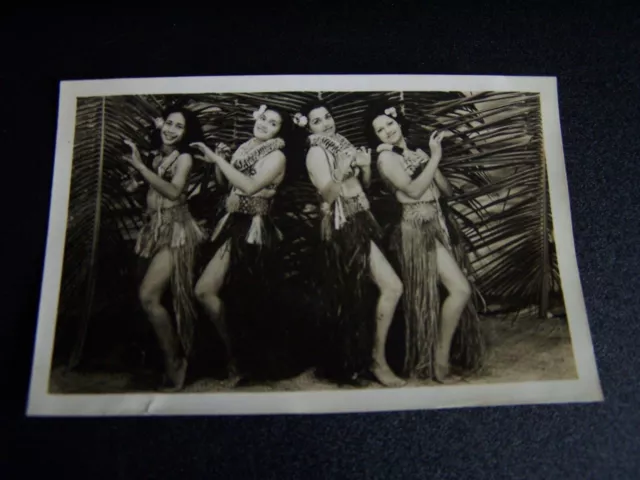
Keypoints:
(135, 160)
(363, 157)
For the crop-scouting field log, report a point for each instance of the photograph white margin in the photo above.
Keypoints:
(586, 388)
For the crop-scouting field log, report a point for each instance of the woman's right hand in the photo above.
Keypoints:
(207, 154)
(135, 160)
(346, 158)
(223, 150)
(435, 144)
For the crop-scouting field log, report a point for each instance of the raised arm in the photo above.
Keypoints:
(220, 178)
(273, 166)
(327, 183)
(443, 184)
(363, 160)
(393, 171)
(171, 190)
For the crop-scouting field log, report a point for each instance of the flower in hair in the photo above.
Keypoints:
(300, 120)
(391, 111)
(158, 122)
(260, 111)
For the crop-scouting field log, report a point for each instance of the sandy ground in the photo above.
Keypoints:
(520, 348)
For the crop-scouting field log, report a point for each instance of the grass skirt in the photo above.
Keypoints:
(260, 308)
(175, 229)
(413, 242)
(346, 325)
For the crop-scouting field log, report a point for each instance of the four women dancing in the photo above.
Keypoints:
(241, 287)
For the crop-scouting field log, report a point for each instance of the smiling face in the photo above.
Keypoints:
(173, 129)
(267, 125)
(321, 121)
(387, 130)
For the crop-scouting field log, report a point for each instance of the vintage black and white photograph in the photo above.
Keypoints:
(309, 244)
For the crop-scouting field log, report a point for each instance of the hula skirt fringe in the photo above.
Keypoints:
(413, 242)
(175, 229)
(257, 304)
(346, 326)
(468, 346)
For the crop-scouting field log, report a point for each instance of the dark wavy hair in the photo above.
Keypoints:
(374, 110)
(192, 130)
(308, 107)
(298, 141)
(286, 126)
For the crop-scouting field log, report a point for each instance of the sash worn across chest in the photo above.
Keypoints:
(334, 145)
(338, 213)
(251, 152)
(245, 159)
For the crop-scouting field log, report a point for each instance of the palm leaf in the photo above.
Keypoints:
(493, 159)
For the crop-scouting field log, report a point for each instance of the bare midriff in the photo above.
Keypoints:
(431, 195)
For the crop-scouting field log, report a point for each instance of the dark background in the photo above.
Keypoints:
(592, 49)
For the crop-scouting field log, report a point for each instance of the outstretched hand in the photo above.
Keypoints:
(207, 154)
(223, 150)
(134, 159)
(435, 142)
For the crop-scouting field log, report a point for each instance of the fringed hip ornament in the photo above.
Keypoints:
(255, 234)
(257, 208)
(336, 215)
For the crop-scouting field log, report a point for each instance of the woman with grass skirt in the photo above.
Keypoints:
(169, 239)
(359, 290)
(241, 288)
(439, 332)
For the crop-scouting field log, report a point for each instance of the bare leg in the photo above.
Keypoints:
(459, 294)
(155, 282)
(390, 292)
(207, 290)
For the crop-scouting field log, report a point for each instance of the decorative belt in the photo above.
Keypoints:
(256, 207)
(346, 207)
(424, 211)
(248, 205)
(164, 215)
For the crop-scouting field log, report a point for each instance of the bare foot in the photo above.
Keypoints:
(177, 374)
(232, 370)
(442, 375)
(385, 375)
(233, 375)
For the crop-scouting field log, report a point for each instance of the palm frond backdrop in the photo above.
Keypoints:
(494, 160)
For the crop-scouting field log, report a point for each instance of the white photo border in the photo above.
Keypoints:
(586, 388)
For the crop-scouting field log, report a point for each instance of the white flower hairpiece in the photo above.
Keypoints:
(260, 111)
(391, 111)
(158, 122)
(300, 120)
